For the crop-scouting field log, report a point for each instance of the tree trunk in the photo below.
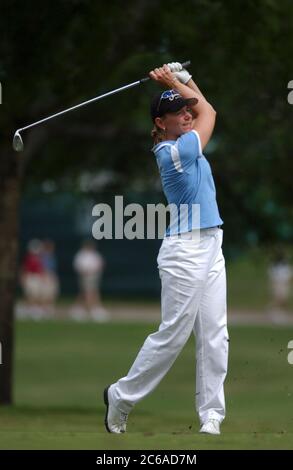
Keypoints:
(9, 224)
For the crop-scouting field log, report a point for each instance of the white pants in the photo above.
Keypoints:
(193, 299)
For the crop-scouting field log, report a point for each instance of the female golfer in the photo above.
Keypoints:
(190, 261)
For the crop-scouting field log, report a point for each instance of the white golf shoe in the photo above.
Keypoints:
(212, 426)
(115, 420)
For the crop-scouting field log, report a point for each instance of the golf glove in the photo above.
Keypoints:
(180, 73)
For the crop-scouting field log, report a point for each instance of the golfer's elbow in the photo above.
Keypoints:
(212, 110)
(209, 110)
(212, 114)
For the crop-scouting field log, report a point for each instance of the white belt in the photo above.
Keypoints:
(194, 233)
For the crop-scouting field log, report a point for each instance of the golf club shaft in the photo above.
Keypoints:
(125, 87)
(81, 104)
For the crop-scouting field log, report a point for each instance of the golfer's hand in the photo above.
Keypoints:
(182, 74)
(164, 76)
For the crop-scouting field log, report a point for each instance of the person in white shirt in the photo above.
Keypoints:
(89, 265)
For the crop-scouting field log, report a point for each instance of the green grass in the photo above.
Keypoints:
(248, 282)
(63, 367)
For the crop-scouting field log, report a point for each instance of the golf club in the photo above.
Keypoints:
(17, 139)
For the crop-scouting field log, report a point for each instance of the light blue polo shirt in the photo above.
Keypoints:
(187, 182)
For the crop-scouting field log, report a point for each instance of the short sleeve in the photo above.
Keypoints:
(189, 148)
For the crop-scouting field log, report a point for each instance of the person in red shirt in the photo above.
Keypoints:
(31, 276)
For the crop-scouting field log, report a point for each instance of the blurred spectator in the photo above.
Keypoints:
(89, 265)
(38, 280)
(280, 276)
(31, 277)
(50, 282)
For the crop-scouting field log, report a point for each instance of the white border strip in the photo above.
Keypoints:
(199, 142)
(176, 158)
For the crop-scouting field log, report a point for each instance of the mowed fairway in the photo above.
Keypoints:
(63, 367)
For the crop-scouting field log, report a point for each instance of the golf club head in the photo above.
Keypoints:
(17, 142)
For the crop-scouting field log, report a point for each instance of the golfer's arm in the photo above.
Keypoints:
(192, 91)
(191, 84)
(205, 115)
